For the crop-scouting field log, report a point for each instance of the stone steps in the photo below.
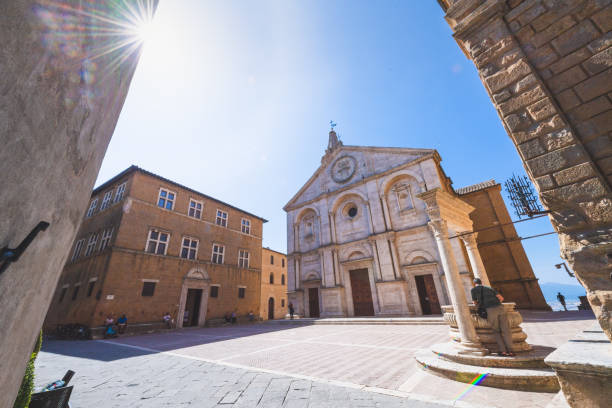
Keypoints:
(362, 320)
(520, 379)
(528, 359)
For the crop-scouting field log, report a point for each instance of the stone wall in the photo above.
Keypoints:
(546, 65)
(276, 290)
(58, 109)
(120, 270)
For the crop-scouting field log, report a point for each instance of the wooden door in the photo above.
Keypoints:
(362, 293)
(313, 301)
(428, 296)
(271, 309)
(192, 307)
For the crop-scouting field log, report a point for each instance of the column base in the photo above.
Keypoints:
(471, 348)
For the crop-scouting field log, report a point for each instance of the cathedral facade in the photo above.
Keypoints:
(372, 233)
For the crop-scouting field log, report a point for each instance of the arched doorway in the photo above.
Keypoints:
(271, 309)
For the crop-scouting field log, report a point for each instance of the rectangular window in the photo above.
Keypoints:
(282, 302)
(217, 253)
(195, 209)
(283, 262)
(77, 250)
(106, 237)
(148, 288)
(119, 193)
(91, 244)
(106, 200)
(246, 226)
(271, 259)
(241, 292)
(166, 199)
(157, 243)
(189, 248)
(90, 288)
(243, 259)
(221, 218)
(63, 293)
(92, 207)
(403, 197)
(76, 291)
(214, 291)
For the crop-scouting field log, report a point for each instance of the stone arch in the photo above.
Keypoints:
(354, 194)
(356, 255)
(414, 255)
(306, 211)
(416, 180)
(311, 276)
(350, 253)
(197, 273)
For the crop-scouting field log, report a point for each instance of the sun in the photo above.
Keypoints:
(145, 31)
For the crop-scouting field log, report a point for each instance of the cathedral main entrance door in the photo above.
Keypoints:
(428, 295)
(313, 302)
(362, 294)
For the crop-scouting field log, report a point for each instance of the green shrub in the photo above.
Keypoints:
(27, 385)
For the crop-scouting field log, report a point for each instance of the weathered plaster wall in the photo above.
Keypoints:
(547, 67)
(58, 110)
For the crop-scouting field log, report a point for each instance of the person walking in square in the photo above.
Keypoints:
(490, 300)
(561, 300)
(291, 310)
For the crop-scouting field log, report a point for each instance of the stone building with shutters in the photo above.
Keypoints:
(273, 285)
(373, 231)
(148, 245)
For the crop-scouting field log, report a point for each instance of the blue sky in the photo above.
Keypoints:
(234, 99)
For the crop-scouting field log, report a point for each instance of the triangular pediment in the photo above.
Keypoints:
(346, 165)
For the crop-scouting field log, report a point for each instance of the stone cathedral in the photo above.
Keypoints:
(375, 229)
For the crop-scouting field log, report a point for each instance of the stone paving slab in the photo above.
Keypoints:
(375, 360)
(108, 375)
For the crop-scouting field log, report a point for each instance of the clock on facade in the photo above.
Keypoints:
(343, 169)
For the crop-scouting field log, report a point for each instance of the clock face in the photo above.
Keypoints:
(343, 169)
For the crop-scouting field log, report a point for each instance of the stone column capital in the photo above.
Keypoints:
(469, 239)
(439, 228)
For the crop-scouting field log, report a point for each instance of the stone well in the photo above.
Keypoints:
(483, 329)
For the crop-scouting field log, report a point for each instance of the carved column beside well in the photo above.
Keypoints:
(475, 260)
(468, 339)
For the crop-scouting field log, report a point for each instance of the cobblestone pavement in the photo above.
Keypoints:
(358, 362)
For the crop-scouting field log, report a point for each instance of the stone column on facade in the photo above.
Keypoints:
(376, 260)
(478, 267)
(394, 258)
(298, 274)
(336, 267)
(469, 339)
(386, 213)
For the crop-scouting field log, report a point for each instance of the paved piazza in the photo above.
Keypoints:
(277, 365)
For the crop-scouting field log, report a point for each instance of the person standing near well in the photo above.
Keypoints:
(490, 300)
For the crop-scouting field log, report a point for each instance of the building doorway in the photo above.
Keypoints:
(428, 295)
(313, 302)
(271, 309)
(362, 293)
(192, 307)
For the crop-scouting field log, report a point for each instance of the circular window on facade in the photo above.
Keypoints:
(352, 212)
